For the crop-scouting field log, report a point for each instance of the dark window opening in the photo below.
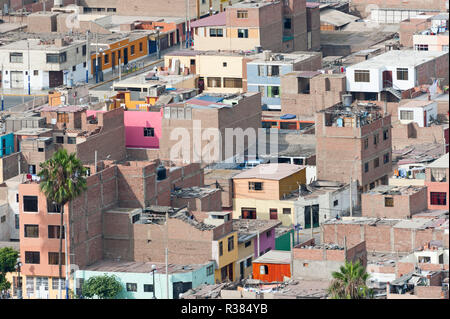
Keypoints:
(30, 203)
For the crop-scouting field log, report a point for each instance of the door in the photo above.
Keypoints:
(151, 46)
(242, 269)
(273, 213)
(230, 272)
(180, 287)
(113, 57)
(425, 119)
(55, 78)
(387, 79)
(16, 79)
(125, 56)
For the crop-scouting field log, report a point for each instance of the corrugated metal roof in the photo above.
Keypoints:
(336, 18)
(275, 257)
(441, 162)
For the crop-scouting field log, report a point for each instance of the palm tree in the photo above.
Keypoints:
(350, 282)
(62, 180)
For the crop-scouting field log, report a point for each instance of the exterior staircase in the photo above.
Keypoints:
(396, 93)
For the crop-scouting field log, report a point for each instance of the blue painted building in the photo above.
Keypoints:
(138, 282)
(264, 74)
(6, 144)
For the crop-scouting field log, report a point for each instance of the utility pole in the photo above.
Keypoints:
(351, 196)
(3, 102)
(120, 70)
(95, 160)
(312, 226)
(88, 56)
(29, 78)
(66, 257)
(96, 59)
(167, 254)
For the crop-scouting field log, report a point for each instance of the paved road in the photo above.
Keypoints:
(10, 101)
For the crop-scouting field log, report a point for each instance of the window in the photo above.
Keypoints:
(53, 208)
(406, 115)
(273, 91)
(84, 64)
(376, 162)
(376, 137)
(260, 70)
(220, 248)
(242, 14)
(53, 258)
(16, 57)
(216, 33)
(273, 70)
(106, 58)
(273, 213)
(223, 273)
(59, 140)
(42, 281)
(255, 186)
(31, 231)
(54, 230)
(287, 23)
(242, 33)
(421, 47)
(52, 58)
(30, 203)
(141, 47)
(78, 50)
(32, 257)
(402, 74)
(362, 76)
(35, 72)
(71, 140)
(230, 243)
(335, 203)
(232, 82)
(3, 219)
(366, 143)
(63, 117)
(132, 50)
(17, 197)
(247, 243)
(131, 286)
(445, 48)
(249, 262)
(214, 82)
(210, 270)
(74, 68)
(148, 288)
(286, 211)
(389, 202)
(149, 131)
(438, 198)
(30, 285)
(263, 270)
(84, 50)
(386, 158)
(366, 167)
(385, 135)
(268, 234)
(55, 282)
(17, 221)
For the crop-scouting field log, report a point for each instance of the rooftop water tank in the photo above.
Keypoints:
(347, 100)
(161, 173)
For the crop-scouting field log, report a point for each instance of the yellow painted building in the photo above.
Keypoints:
(226, 251)
(246, 254)
(38, 287)
(265, 192)
(128, 50)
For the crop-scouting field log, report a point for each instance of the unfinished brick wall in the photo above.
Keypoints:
(432, 292)
(404, 135)
(209, 203)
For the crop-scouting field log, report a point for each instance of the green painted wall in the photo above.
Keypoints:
(283, 242)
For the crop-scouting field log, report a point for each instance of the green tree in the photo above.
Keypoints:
(104, 287)
(350, 282)
(62, 180)
(8, 259)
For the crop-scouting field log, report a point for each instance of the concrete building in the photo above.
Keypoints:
(421, 112)
(223, 179)
(437, 182)
(264, 74)
(433, 39)
(140, 280)
(363, 7)
(260, 235)
(386, 76)
(263, 192)
(43, 64)
(386, 201)
(354, 143)
(272, 25)
(312, 261)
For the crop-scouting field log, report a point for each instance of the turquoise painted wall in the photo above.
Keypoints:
(6, 144)
(197, 277)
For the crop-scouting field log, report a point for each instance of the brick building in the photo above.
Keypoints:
(363, 7)
(312, 261)
(354, 141)
(385, 201)
(437, 182)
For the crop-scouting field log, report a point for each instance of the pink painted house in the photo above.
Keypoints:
(142, 128)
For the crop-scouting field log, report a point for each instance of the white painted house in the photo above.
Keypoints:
(390, 73)
(51, 63)
(420, 112)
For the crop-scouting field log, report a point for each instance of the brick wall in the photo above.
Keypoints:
(9, 166)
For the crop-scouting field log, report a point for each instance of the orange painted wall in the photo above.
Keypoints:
(115, 47)
(276, 272)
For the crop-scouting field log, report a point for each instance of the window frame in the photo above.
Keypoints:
(28, 228)
(361, 76)
(149, 130)
(402, 74)
(28, 197)
(131, 287)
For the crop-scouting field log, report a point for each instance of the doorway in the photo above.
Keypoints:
(387, 79)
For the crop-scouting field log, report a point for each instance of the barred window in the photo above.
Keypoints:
(232, 82)
(31, 231)
(406, 115)
(32, 257)
(242, 14)
(16, 57)
(53, 258)
(421, 47)
(131, 286)
(54, 230)
(213, 32)
(438, 198)
(209, 270)
(55, 283)
(255, 186)
(214, 82)
(402, 74)
(362, 76)
(389, 201)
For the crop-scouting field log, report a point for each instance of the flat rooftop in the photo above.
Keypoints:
(139, 81)
(140, 267)
(252, 226)
(253, 4)
(395, 190)
(399, 58)
(284, 58)
(39, 45)
(274, 257)
(416, 104)
(194, 192)
(272, 171)
(33, 131)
